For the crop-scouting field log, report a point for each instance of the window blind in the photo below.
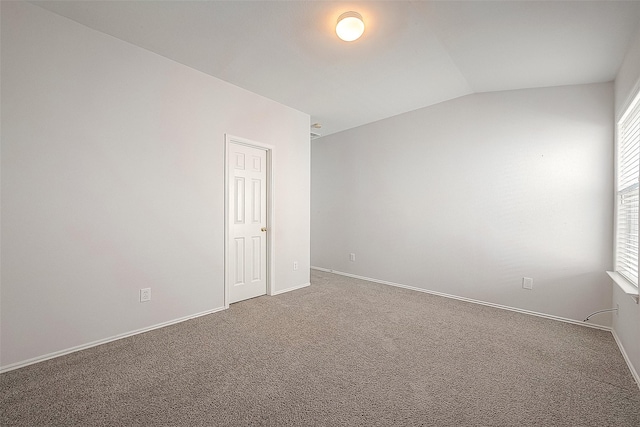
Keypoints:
(628, 181)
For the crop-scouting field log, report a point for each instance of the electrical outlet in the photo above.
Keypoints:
(295, 265)
(352, 257)
(527, 283)
(145, 294)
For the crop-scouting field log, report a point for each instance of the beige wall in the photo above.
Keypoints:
(469, 196)
(113, 180)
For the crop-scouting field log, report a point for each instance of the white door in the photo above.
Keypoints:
(247, 205)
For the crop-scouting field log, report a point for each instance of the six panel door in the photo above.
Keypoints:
(247, 202)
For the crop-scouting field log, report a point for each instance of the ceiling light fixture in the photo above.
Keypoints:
(350, 26)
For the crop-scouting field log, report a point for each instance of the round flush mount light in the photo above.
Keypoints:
(350, 26)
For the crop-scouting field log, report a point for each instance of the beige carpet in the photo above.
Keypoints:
(340, 352)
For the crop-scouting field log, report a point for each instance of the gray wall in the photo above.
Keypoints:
(469, 196)
(627, 322)
(113, 180)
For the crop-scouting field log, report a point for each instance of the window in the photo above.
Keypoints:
(628, 155)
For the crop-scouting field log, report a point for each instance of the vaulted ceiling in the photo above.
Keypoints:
(413, 53)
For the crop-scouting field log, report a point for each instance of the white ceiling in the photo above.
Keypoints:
(412, 54)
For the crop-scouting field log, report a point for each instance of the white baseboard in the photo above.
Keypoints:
(634, 373)
(475, 301)
(34, 360)
(293, 288)
(28, 362)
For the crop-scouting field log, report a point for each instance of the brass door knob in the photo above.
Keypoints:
(263, 229)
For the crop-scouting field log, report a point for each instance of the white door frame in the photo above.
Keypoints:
(228, 139)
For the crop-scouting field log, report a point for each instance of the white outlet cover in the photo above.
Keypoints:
(145, 294)
(527, 283)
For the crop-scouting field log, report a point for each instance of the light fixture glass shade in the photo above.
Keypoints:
(350, 26)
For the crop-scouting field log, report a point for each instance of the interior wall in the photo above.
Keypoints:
(469, 196)
(627, 322)
(113, 181)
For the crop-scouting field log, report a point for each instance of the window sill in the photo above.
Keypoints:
(626, 286)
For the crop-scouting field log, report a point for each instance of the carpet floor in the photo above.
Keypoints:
(341, 352)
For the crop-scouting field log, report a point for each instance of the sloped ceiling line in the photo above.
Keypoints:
(413, 53)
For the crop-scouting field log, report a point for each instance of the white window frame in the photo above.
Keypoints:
(627, 187)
